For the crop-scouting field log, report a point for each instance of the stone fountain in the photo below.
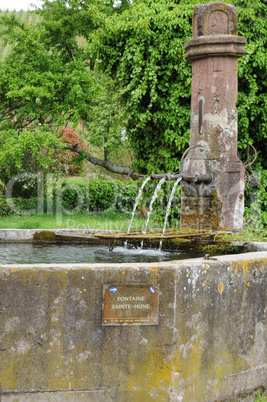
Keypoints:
(214, 51)
(212, 174)
(179, 331)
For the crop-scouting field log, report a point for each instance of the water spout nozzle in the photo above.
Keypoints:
(167, 176)
(198, 178)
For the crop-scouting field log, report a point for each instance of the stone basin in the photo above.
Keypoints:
(209, 342)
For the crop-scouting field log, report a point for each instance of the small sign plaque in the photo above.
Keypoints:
(131, 304)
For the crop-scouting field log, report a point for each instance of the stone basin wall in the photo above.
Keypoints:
(210, 343)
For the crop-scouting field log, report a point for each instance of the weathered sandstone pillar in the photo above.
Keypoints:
(214, 52)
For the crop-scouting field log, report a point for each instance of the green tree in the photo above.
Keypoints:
(121, 67)
(106, 125)
(46, 82)
(252, 73)
(143, 51)
(39, 92)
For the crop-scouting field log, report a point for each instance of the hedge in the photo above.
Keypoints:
(98, 196)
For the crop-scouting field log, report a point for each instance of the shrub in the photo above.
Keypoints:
(71, 161)
(98, 196)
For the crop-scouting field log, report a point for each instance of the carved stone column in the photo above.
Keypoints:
(214, 52)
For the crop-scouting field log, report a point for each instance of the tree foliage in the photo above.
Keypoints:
(25, 151)
(39, 83)
(252, 73)
(71, 162)
(105, 124)
(115, 68)
(46, 81)
(143, 50)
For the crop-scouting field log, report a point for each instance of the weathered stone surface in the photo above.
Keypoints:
(211, 46)
(214, 19)
(49, 235)
(210, 342)
(214, 52)
(69, 396)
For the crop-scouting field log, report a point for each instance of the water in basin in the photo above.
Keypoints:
(14, 253)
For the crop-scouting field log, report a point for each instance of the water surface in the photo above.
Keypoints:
(26, 253)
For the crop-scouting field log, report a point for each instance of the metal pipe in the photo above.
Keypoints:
(197, 178)
(185, 152)
(168, 176)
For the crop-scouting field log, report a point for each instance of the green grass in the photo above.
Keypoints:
(260, 398)
(248, 234)
(106, 221)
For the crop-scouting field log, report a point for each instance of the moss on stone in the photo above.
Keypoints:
(44, 236)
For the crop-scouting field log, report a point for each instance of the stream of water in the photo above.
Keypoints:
(152, 202)
(151, 206)
(168, 208)
(136, 201)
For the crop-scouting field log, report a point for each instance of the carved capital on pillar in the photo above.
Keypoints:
(214, 19)
(211, 46)
(214, 32)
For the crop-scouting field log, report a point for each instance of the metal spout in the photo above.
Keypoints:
(197, 178)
